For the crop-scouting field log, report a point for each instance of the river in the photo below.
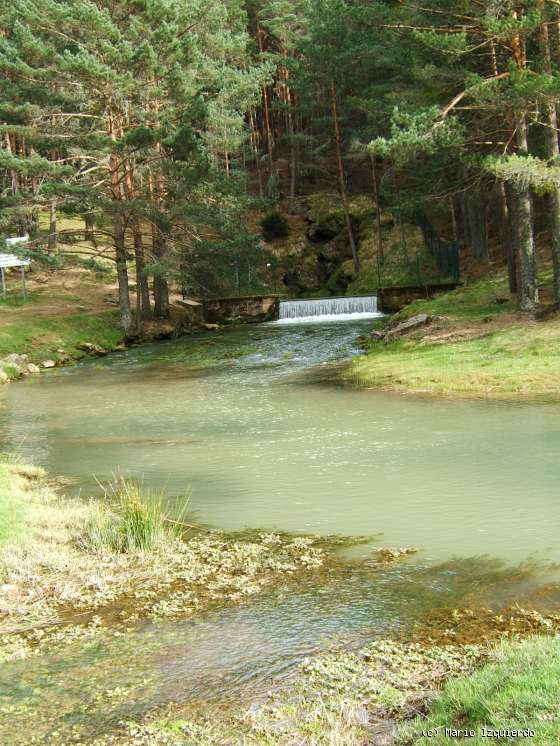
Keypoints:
(255, 426)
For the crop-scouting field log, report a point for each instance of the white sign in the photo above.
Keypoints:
(11, 260)
(17, 240)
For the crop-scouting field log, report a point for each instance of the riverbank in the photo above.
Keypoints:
(473, 344)
(70, 314)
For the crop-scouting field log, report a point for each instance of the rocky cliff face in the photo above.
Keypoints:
(316, 259)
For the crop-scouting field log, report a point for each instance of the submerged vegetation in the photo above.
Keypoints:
(79, 574)
(389, 693)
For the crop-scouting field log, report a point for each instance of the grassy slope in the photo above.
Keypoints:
(41, 338)
(483, 350)
(63, 310)
(519, 688)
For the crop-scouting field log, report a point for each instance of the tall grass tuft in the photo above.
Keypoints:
(128, 519)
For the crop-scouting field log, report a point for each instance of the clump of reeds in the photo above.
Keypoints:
(129, 518)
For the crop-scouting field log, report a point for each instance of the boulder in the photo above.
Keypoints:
(4, 378)
(91, 348)
(48, 364)
(15, 360)
(33, 369)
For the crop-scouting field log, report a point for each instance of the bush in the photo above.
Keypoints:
(128, 519)
(274, 225)
(96, 266)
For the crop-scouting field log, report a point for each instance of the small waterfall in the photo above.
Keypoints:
(328, 309)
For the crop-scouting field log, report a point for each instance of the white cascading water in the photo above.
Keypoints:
(328, 309)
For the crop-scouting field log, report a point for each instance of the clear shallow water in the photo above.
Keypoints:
(253, 424)
(260, 438)
(233, 654)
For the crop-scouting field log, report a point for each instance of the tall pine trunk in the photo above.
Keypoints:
(161, 288)
(508, 212)
(143, 305)
(342, 179)
(52, 228)
(528, 291)
(380, 254)
(527, 287)
(255, 149)
(119, 227)
(553, 151)
(272, 181)
(122, 270)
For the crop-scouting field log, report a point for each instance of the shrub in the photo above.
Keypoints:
(274, 225)
(96, 266)
(128, 519)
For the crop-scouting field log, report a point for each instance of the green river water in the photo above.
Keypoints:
(253, 423)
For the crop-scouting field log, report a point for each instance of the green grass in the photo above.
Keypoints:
(12, 502)
(14, 299)
(521, 359)
(475, 301)
(519, 688)
(42, 338)
(129, 519)
(517, 361)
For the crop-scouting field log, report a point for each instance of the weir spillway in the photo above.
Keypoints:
(328, 309)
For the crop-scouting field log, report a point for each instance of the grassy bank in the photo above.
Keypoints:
(59, 339)
(65, 311)
(517, 690)
(477, 346)
(69, 314)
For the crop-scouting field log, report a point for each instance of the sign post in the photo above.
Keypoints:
(12, 260)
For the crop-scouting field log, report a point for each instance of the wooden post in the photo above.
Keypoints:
(23, 283)
(3, 281)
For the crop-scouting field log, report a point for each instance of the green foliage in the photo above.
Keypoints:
(127, 520)
(274, 225)
(100, 268)
(417, 132)
(525, 171)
